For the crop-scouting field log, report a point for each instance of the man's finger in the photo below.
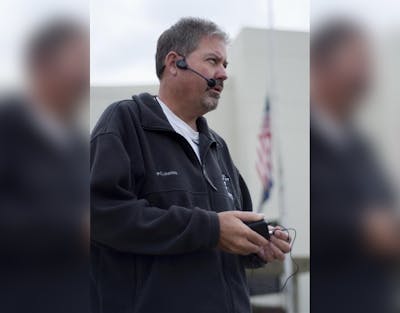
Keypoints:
(267, 255)
(277, 252)
(256, 238)
(247, 247)
(281, 244)
(280, 234)
(249, 216)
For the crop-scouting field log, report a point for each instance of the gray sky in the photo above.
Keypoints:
(18, 19)
(382, 14)
(124, 34)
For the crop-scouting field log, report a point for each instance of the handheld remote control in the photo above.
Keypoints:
(260, 227)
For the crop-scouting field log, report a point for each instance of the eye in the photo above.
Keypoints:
(213, 61)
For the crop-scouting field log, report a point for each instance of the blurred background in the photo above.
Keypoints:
(354, 153)
(268, 63)
(342, 57)
(44, 218)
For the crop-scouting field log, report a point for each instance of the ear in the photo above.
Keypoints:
(170, 63)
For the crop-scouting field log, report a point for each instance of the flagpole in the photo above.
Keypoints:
(290, 308)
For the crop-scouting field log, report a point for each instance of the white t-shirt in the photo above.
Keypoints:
(182, 128)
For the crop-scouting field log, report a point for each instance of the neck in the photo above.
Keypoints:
(46, 102)
(330, 105)
(179, 106)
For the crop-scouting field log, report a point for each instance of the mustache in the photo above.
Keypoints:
(219, 82)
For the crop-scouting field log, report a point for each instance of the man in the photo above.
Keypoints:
(44, 161)
(354, 228)
(168, 204)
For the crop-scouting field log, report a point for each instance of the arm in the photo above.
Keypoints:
(124, 222)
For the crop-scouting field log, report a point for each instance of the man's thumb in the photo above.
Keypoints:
(249, 216)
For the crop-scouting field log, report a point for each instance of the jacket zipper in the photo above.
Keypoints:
(224, 274)
(208, 180)
(202, 165)
(203, 168)
(227, 285)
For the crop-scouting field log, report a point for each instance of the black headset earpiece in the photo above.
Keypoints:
(182, 64)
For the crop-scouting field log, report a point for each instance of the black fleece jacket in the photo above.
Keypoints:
(154, 207)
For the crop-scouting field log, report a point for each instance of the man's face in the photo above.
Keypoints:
(349, 72)
(66, 74)
(209, 59)
(72, 69)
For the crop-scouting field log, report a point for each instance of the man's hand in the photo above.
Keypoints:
(381, 233)
(236, 237)
(277, 247)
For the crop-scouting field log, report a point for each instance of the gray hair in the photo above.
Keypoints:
(184, 37)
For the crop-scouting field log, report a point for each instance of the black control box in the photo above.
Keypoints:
(260, 227)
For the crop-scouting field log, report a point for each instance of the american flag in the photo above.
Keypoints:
(264, 154)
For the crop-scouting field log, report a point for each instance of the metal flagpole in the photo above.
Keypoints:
(287, 265)
(289, 292)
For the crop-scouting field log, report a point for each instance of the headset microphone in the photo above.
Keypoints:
(181, 64)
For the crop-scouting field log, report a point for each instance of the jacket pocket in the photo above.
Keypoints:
(165, 199)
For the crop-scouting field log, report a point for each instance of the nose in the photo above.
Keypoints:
(221, 73)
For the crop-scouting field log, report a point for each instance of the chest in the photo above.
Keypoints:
(173, 175)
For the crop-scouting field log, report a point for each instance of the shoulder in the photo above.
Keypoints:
(11, 107)
(116, 117)
(14, 116)
(123, 115)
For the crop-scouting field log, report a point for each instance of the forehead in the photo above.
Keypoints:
(212, 45)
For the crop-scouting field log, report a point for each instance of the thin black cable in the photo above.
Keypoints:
(291, 257)
(297, 267)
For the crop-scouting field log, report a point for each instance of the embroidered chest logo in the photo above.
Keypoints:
(163, 173)
(227, 184)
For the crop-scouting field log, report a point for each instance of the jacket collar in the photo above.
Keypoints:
(153, 118)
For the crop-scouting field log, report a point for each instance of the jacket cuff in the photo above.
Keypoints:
(214, 229)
